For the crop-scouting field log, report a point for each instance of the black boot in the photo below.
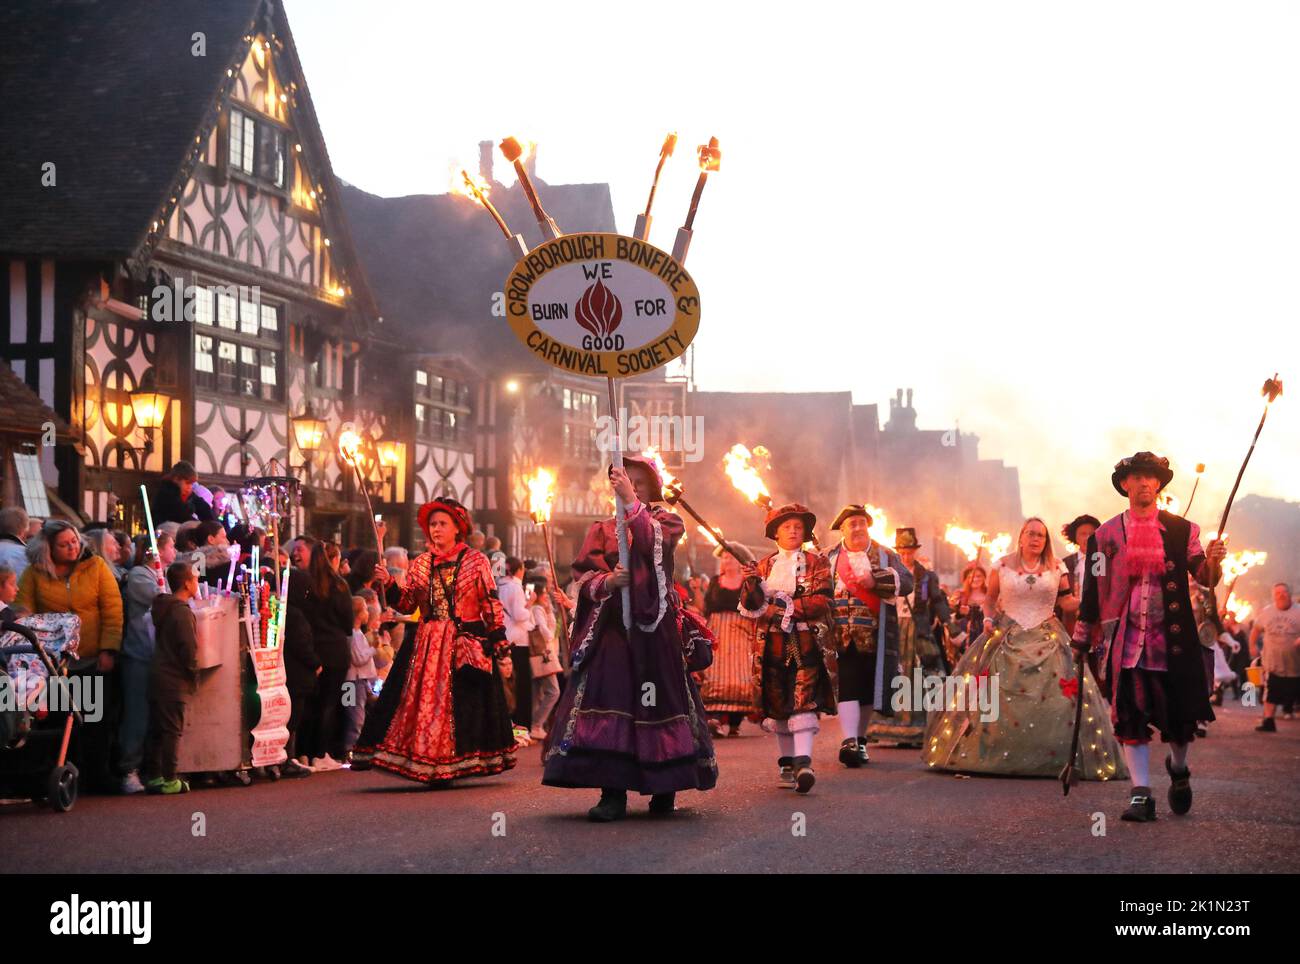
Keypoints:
(663, 803)
(862, 750)
(612, 806)
(785, 765)
(849, 754)
(804, 778)
(1141, 806)
(1180, 788)
(1267, 726)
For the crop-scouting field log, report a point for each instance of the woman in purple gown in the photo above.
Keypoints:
(631, 717)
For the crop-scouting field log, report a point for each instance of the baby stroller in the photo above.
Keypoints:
(39, 709)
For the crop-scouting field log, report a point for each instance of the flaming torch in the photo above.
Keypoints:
(879, 529)
(350, 452)
(1271, 390)
(998, 546)
(710, 163)
(476, 189)
(1200, 467)
(1239, 608)
(1237, 564)
(541, 499)
(738, 463)
(643, 220)
(972, 543)
(968, 541)
(673, 496)
(514, 153)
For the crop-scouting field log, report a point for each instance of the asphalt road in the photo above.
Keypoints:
(893, 816)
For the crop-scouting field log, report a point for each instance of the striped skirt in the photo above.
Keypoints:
(728, 685)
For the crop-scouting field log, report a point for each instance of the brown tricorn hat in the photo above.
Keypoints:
(791, 510)
(848, 512)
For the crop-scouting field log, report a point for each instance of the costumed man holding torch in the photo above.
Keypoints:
(631, 718)
(1136, 611)
(789, 593)
(866, 579)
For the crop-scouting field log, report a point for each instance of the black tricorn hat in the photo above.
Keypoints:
(848, 512)
(905, 538)
(1157, 465)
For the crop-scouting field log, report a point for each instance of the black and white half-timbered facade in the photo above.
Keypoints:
(175, 247)
(171, 223)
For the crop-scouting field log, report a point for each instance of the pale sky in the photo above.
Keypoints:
(1073, 229)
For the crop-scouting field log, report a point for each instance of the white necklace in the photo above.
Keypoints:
(1030, 575)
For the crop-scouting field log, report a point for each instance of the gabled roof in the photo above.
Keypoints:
(436, 260)
(111, 94)
(24, 412)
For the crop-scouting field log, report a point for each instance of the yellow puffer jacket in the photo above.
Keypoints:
(91, 592)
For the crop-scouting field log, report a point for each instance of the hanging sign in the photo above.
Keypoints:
(602, 304)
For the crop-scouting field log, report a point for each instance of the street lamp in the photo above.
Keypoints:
(308, 431)
(150, 408)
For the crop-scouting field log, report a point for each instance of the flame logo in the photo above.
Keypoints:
(598, 310)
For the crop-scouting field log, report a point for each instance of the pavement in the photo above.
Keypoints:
(892, 816)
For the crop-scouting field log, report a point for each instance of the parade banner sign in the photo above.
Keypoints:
(603, 305)
(271, 733)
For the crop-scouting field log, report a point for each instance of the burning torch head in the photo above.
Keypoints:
(512, 149)
(1272, 388)
(710, 156)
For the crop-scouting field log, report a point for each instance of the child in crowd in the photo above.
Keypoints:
(543, 656)
(8, 593)
(361, 675)
(173, 679)
(378, 634)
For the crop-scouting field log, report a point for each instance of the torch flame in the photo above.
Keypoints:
(1237, 564)
(1168, 501)
(999, 545)
(971, 542)
(473, 186)
(967, 540)
(652, 455)
(879, 528)
(738, 464)
(349, 446)
(1239, 608)
(541, 494)
(707, 534)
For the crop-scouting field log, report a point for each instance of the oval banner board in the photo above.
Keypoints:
(602, 305)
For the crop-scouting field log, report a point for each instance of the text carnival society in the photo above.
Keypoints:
(594, 247)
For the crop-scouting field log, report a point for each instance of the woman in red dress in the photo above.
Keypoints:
(442, 713)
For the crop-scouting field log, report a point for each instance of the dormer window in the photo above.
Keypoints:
(257, 148)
